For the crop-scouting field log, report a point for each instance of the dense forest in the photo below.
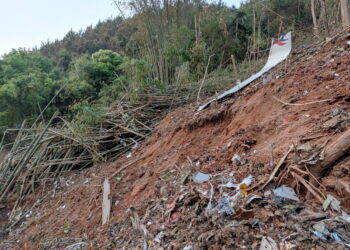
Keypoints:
(163, 43)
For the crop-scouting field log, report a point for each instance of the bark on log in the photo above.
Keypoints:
(332, 154)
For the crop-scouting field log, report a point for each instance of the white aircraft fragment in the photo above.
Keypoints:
(278, 52)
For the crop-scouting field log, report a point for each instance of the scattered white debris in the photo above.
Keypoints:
(236, 159)
(227, 205)
(286, 192)
(267, 243)
(159, 237)
(75, 246)
(254, 197)
(345, 217)
(321, 227)
(267, 193)
(332, 202)
(200, 177)
(229, 185)
(188, 247)
(248, 180)
(29, 214)
(129, 155)
(61, 207)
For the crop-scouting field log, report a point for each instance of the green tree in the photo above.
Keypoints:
(28, 80)
(99, 69)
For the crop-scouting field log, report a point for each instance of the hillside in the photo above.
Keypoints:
(291, 120)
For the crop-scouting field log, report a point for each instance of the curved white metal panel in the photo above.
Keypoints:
(278, 52)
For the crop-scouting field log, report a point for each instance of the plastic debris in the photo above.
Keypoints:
(245, 182)
(62, 207)
(229, 185)
(332, 202)
(224, 207)
(267, 193)
(29, 213)
(200, 177)
(279, 201)
(338, 111)
(267, 243)
(129, 155)
(319, 235)
(345, 218)
(79, 245)
(336, 237)
(236, 159)
(159, 237)
(286, 192)
(188, 247)
(321, 227)
(254, 197)
(248, 180)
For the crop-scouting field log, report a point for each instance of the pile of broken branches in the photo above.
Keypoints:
(43, 152)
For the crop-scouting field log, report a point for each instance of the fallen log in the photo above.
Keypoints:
(333, 153)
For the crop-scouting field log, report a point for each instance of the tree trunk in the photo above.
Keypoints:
(322, 20)
(332, 154)
(314, 19)
(345, 13)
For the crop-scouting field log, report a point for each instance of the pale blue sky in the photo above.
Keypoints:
(27, 23)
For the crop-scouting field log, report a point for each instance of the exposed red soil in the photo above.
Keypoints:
(253, 125)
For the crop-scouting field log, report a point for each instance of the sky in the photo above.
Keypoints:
(28, 23)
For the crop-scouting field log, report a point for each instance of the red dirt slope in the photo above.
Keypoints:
(156, 203)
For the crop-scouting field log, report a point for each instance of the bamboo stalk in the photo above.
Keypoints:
(31, 149)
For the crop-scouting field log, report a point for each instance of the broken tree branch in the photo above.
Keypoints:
(273, 174)
(205, 75)
(300, 104)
